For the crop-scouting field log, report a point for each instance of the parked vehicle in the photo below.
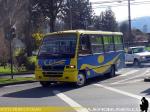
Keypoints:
(137, 55)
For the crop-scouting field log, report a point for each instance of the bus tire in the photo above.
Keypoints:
(45, 83)
(81, 80)
(112, 72)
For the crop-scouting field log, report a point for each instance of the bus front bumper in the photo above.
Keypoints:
(66, 76)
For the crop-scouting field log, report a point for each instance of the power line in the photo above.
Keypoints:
(108, 2)
(118, 5)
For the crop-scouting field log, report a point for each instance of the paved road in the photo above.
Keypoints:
(118, 94)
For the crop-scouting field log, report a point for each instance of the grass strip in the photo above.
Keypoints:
(17, 79)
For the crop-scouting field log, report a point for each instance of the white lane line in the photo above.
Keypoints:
(70, 102)
(129, 73)
(121, 92)
(132, 81)
(147, 71)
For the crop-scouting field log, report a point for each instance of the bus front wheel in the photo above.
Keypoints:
(45, 83)
(81, 80)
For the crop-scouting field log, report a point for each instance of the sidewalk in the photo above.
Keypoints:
(18, 74)
(15, 83)
(24, 75)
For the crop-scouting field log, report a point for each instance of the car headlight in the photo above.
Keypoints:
(142, 57)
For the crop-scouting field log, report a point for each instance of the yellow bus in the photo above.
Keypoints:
(77, 55)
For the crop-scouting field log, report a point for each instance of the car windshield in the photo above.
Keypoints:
(58, 45)
(138, 50)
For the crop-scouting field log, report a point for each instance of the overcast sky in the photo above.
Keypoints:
(142, 8)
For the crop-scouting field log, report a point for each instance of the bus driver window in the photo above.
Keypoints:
(84, 45)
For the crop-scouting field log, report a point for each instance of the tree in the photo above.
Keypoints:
(97, 22)
(21, 14)
(13, 14)
(38, 38)
(106, 21)
(78, 14)
(50, 9)
(124, 28)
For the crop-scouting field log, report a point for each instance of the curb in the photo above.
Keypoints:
(147, 79)
(15, 83)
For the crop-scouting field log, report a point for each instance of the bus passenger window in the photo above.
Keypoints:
(118, 43)
(84, 45)
(96, 44)
(108, 43)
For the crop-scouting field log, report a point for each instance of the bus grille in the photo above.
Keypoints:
(53, 71)
(53, 68)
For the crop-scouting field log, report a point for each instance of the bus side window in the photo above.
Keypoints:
(96, 44)
(84, 45)
(108, 43)
(118, 40)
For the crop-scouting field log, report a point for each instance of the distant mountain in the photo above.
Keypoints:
(142, 23)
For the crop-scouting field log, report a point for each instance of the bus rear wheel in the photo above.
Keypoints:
(45, 83)
(81, 80)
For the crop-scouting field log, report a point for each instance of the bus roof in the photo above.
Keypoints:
(86, 32)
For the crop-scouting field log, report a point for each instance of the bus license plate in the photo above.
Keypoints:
(54, 79)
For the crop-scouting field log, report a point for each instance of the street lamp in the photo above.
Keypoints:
(12, 35)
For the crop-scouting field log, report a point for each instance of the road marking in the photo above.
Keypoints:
(18, 85)
(70, 102)
(132, 81)
(147, 71)
(129, 73)
(121, 92)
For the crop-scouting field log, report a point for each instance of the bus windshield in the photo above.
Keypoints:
(59, 45)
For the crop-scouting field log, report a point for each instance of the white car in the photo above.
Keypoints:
(137, 55)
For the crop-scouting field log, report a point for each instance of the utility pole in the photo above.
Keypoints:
(70, 14)
(12, 35)
(11, 59)
(129, 20)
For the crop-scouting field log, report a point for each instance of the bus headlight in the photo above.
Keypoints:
(70, 66)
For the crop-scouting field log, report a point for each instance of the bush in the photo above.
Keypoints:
(30, 63)
(22, 61)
